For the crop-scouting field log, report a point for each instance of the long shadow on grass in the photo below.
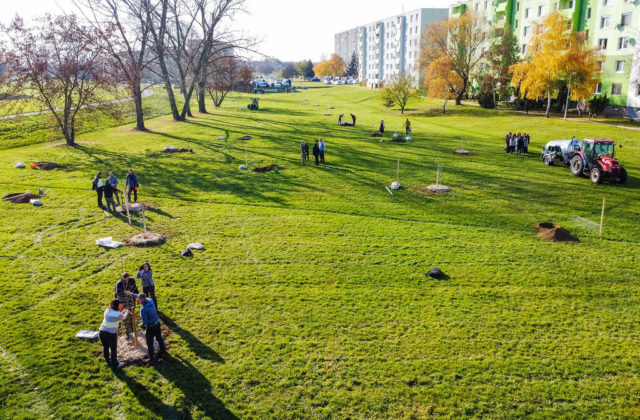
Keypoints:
(198, 347)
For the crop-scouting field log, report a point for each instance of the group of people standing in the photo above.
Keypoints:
(517, 143)
(319, 148)
(347, 124)
(122, 310)
(406, 125)
(109, 189)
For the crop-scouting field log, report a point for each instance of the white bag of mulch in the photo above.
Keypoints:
(196, 245)
(243, 167)
(221, 138)
(108, 242)
(408, 138)
(395, 185)
(20, 165)
(35, 202)
(169, 148)
(87, 334)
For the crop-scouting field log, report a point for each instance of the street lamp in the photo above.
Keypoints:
(568, 94)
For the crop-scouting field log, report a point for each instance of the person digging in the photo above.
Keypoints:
(150, 325)
(124, 288)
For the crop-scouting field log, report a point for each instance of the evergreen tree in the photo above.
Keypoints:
(352, 69)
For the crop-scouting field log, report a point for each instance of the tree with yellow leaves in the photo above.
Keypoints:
(557, 54)
(335, 66)
(442, 81)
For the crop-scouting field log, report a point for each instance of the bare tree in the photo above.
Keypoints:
(60, 64)
(128, 48)
(227, 74)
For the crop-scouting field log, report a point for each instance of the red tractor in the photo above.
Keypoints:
(596, 159)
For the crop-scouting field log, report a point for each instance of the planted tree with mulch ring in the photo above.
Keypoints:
(20, 198)
(46, 166)
(145, 239)
(271, 167)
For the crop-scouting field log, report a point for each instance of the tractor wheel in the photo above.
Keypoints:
(547, 160)
(596, 175)
(577, 165)
(621, 178)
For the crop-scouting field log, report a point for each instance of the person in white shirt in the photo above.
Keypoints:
(109, 333)
(98, 186)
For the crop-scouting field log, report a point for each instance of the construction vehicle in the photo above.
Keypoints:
(596, 160)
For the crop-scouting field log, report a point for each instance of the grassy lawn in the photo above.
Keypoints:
(309, 300)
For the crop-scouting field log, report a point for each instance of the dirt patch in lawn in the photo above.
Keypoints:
(271, 167)
(375, 135)
(20, 198)
(554, 233)
(177, 151)
(46, 166)
(245, 138)
(147, 239)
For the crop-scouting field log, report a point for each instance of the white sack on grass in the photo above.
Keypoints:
(35, 202)
(169, 148)
(108, 242)
(87, 334)
(395, 185)
(195, 245)
(20, 165)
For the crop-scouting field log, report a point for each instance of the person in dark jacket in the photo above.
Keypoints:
(148, 287)
(108, 197)
(98, 186)
(382, 127)
(132, 185)
(306, 149)
(113, 180)
(124, 285)
(303, 145)
(353, 118)
(340, 119)
(316, 152)
(151, 325)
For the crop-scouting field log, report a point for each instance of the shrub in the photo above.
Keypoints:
(597, 104)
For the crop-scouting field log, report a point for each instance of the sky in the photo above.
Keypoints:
(290, 30)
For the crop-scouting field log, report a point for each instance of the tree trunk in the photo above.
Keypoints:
(186, 109)
(548, 104)
(462, 91)
(137, 100)
(202, 84)
(169, 89)
(444, 107)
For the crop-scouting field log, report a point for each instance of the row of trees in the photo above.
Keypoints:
(459, 51)
(336, 67)
(68, 64)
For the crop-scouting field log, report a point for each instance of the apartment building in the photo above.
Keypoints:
(611, 25)
(389, 47)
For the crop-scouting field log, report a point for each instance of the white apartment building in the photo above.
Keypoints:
(389, 47)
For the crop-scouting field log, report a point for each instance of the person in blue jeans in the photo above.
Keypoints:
(148, 287)
(151, 325)
(132, 185)
(108, 197)
(322, 149)
(113, 180)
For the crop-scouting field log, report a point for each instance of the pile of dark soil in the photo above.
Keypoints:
(374, 134)
(399, 140)
(146, 239)
(46, 166)
(554, 233)
(245, 138)
(268, 168)
(20, 198)
(177, 151)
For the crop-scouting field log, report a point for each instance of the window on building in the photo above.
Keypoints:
(526, 31)
(570, 5)
(623, 42)
(589, 13)
(619, 66)
(616, 89)
(606, 2)
(541, 10)
(626, 20)
(516, 24)
(602, 43)
(638, 89)
(604, 21)
(601, 66)
(524, 49)
(526, 12)
(477, 6)
(598, 89)
(486, 4)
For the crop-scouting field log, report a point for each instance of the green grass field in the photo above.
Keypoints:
(309, 300)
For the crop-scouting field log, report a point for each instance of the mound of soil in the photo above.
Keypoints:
(130, 354)
(554, 233)
(462, 152)
(245, 138)
(146, 239)
(327, 115)
(375, 135)
(133, 208)
(20, 198)
(268, 168)
(46, 166)
(177, 151)
(399, 140)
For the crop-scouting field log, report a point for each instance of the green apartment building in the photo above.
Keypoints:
(611, 25)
